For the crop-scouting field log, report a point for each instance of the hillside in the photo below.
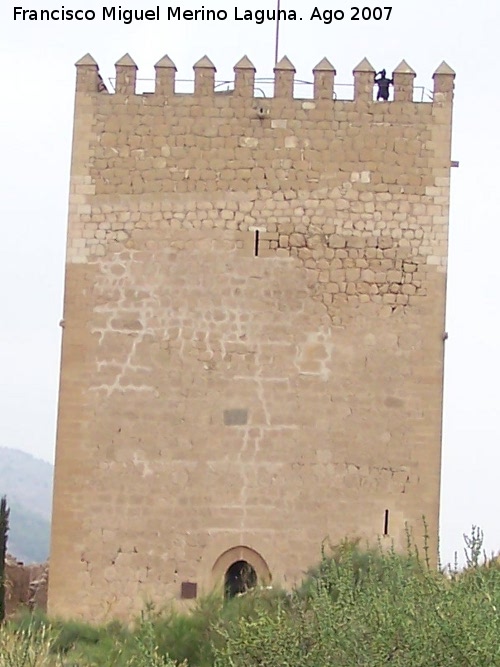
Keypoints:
(27, 483)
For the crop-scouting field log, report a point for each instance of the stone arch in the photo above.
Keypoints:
(241, 553)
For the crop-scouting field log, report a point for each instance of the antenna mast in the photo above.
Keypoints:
(277, 33)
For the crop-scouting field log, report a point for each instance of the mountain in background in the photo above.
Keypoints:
(27, 483)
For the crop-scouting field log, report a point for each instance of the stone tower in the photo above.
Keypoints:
(253, 330)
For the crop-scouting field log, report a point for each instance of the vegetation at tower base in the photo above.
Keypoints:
(368, 608)
(4, 529)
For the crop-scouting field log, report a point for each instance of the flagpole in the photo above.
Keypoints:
(277, 34)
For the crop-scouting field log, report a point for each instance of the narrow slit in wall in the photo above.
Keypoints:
(256, 244)
(386, 522)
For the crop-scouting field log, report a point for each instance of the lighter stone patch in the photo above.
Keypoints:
(315, 355)
(146, 470)
(249, 142)
(78, 259)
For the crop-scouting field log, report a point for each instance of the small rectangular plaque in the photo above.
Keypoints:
(189, 590)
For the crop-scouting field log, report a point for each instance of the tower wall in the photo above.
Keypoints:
(253, 330)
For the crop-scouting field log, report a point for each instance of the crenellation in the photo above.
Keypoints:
(284, 74)
(165, 70)
(403, 78)
(244, 81)
(204, 77)
(444, 78)
(324, 80)
(364, 74)
(126, 75)
(88, 79)
(87, 75)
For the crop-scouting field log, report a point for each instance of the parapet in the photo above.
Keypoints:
(323, 84)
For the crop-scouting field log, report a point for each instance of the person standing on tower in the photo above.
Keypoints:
(383, 84)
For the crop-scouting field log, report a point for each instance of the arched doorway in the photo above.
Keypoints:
(239, 565)
(240, 577)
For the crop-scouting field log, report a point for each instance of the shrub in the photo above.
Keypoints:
(373, 609)
(29, 647)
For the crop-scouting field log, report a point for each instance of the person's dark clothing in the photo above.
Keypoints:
(383, 84)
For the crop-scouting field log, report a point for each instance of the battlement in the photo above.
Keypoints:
(245, 84)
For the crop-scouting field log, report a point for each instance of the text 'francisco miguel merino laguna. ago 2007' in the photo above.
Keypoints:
(178, 13)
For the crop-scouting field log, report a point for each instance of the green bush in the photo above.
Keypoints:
(69, 634)
(147, 652)
(374, 609)
(363, 608)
